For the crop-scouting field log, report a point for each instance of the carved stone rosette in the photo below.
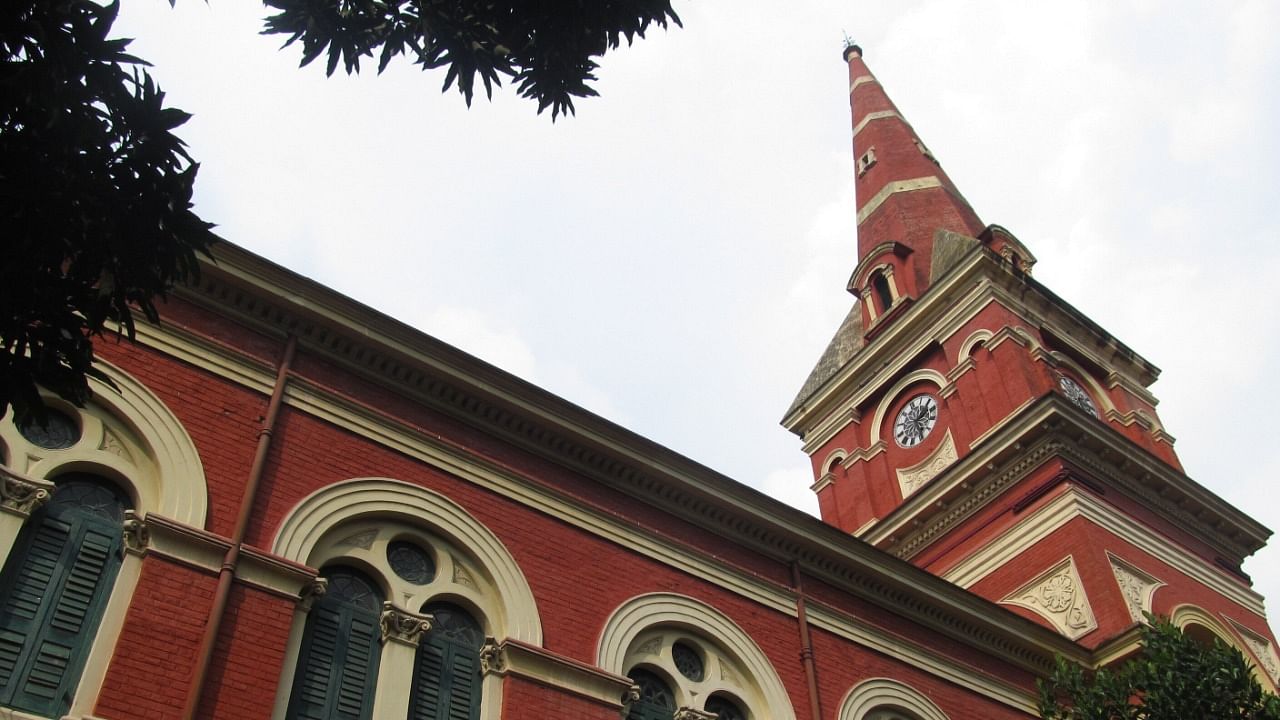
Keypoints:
(137, 536)
(492, 658)
(686, 713)
(400, 625)
(311, 592)
(22, 495)
(1058, 596)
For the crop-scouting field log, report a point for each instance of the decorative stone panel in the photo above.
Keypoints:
(1058, 596)
(1263, 650)
(1137, 587)
(913, 478)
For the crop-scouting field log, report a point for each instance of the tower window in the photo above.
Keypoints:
(867, 161)
(880, 284)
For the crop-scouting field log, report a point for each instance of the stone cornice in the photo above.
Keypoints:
(278, 302)
(976, 280)
(1053, 427)
(154, 534)
(512, 657)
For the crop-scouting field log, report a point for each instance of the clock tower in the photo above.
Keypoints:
(968, 420)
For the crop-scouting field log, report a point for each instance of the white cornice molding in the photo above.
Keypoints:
(1093, 446)
(520, 659)
(922, 658)
(950, 304)
(244, 287)
(1038, 525)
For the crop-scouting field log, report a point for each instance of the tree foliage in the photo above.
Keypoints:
(1174, 677)
(95, 196)
(95, 189)
(546, 47)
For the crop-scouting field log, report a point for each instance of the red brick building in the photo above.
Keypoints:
(296, 507)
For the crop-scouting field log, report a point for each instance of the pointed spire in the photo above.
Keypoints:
(907, 206)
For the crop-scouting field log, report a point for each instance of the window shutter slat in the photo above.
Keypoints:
(54, 589)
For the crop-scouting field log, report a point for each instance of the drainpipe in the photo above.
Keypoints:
(806, 645)
(229, 561)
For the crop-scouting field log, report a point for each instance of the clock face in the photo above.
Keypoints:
(1077, 395)
(915, 420)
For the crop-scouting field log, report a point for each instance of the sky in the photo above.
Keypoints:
(674, 257)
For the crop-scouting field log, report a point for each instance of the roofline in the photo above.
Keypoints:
(269, 298)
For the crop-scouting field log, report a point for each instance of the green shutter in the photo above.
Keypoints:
(52, 594)
(446, 675)
(338, 660)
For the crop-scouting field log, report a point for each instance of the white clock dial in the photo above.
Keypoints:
(1077, 395)
(915, 420)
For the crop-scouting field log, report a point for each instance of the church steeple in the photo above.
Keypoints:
(907, 207)
(967, 419)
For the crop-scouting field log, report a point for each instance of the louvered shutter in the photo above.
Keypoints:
(425, 701)
(446, 674)
(52, 594)
(338, 661)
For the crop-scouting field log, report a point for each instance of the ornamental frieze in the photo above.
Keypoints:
(1058, 596)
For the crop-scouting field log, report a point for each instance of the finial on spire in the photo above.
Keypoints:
(850, 47)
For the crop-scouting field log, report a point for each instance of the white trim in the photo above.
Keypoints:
(966, 347)
(680, 612)
(897, 186)
(891, 395)
(860, 80)
(1038, 525)
(923, 658)
(885, 693)
(352, 500)
(877, 115)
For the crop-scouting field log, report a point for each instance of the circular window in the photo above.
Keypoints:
(411, 562)
(915, 420)
(57, 433)
(1077, 395)
(687, 661)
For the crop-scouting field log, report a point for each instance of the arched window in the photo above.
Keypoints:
(53, 589)
(656, 701)
(705, 662)
(725, 708)
(446, 673)
(883, 294)
(338, 660)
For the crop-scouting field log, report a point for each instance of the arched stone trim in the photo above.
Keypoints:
(351, 500)
(834, 458)
(131, 437)
(966, 347)
(1184, 615)
(885, 694)
(1096, 390)
(680, 612)
(923, 374)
